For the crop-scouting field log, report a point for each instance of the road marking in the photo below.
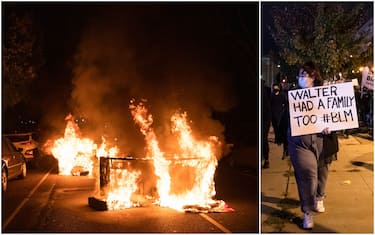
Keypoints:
(15, 212)
(214, 222)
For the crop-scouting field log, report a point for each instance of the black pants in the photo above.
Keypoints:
(265, 146)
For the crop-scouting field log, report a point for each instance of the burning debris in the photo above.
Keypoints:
(218, 206)
(119, 182)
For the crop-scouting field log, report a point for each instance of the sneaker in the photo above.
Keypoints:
(266, 164)
(308, 222)
(319, 206)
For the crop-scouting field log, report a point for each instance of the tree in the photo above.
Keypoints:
(326, 33)
(22, 56)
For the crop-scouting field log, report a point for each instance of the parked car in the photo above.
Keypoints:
(25, 143)
(13, 163)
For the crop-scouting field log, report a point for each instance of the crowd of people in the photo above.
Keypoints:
(274, 104)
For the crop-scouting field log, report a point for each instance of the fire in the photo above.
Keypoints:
(205, 163)
(123, 184)
(198, 156)
(76, 154)
(161, 164)
(185, 178)
(103, 152)
(71, 151)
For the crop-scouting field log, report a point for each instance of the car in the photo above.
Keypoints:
(13, 163)
(26, 144)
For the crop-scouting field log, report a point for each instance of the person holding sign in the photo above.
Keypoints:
(306, 154)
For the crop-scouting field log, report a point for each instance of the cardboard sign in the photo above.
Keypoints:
(314, 109)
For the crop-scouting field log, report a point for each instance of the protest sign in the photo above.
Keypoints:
(367, 79)
(313, 109)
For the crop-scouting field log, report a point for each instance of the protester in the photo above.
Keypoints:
(279, 123)
(307, 156)
(368, 110)
(266, 122)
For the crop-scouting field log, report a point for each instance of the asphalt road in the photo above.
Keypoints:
(47, 202)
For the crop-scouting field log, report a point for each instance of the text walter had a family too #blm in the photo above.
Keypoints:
(313, 109)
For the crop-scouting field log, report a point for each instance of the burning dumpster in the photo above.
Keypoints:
(120, 185)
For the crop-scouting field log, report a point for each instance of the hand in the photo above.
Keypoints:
(326, 131)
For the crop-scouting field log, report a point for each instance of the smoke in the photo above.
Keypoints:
(158, 53)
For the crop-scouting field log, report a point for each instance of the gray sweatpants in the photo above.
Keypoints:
(310, 173)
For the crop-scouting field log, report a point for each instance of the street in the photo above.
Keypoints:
(47, 202)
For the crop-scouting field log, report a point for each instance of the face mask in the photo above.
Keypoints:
(304, 82)
(276, 90)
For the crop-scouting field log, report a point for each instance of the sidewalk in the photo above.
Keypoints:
(349, 201)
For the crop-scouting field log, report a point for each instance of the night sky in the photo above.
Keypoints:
(198, 57)
(267, 20)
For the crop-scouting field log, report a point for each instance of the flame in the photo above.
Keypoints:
(122, 181)
(72, 151)
(197, 155)
(144, 120)
(103, 152)
(76, 153)
(205, 164)
(194, 161)
(123, 184)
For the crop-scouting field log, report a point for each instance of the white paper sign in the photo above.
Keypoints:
(367, 79)
(313, 109)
